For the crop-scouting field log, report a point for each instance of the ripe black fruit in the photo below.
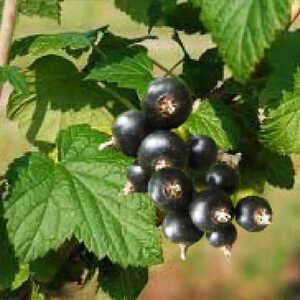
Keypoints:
(167, 103)
(253, 213)
(223, 177)
(170, 189)
(223, 237)
(138, 177)
(162, 149)
(202, 152)
(211, 210)
(129, 130)
(178, 228)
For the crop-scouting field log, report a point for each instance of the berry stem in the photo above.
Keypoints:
(232, 160)
(128, 189)
(183, 251)
(110, 144)
(8, 23)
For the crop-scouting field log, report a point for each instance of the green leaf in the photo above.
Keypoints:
(215, 119)
(185, 17)
(58, 96)
(15, 77)
(122, 283)
(42, 8)
(73, 43)
(203, 75)
(279, 170)
(8, 262)
(243, 29)
(129, 68)
(284, 59)
(281, 131)
(80, 195)
(149, 12)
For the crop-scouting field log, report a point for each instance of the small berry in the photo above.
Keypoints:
(138, 177)
(167, 103)
(253, 213)
(170, 189)
(223, 238)
(211, 210)
(202, 152)
(162, 149)
(129, 130)
(223, 177)
(179, 229)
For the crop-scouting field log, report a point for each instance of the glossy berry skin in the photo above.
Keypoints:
(211, 210)
(167, 103)
(138, 177)
(178, 228)
(129, 130)
(223, 237)
(223, 177)
(170, 189)
(253, 213)
(162, 149)
(202, 152)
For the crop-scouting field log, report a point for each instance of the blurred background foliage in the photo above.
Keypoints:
(264, 266)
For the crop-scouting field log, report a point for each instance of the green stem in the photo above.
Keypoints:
(116, 95)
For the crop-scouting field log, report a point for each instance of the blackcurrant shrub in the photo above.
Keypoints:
(253, 213)
(179, 229)
(223, 238)
(162, 149)
(211, 210)
(167, 103)
(223, 177)
(170, 189)
(129, 130)
(202, 152)
(138, 178)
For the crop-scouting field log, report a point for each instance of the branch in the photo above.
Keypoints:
(6, 34)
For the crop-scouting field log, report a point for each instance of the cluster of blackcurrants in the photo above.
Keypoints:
(164, 162)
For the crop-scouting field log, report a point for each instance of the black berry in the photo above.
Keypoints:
(223, 237)
(162, 149)
(223, 177)
(138, 178)
(178, 228)
(170, 189)
(167, 103)
(202, 152)
(253, 213)
(211, 210)
(129, 130)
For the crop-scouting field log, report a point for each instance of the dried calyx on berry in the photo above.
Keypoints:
(162, 149)
(167, 103)
(179, 229)
(253, 213)
(170, 189)
(223, 238)
(211, 210)
(129, 129)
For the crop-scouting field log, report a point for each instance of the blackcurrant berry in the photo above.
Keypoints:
(202, 152)
(129, 130)
(179, 229)
(138, 178)
(162, 149)
(253, 213)
(170, 189)
(223, 238)
(223, 177)
(211, 210)
(167, 103)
